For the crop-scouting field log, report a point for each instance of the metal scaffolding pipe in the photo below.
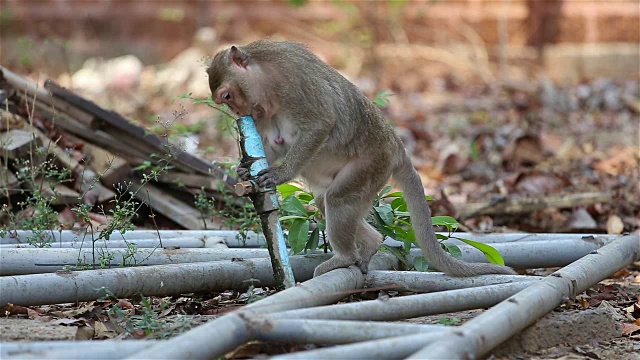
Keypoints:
(436, 281)
(411, 306)
(478, 336)
(493, 238)
(230, 331)
(111, 349)
(38, 261)
(224, 334)
(523, 254)
(398, 347)
(177, 242)
(534, 254)
(158, 280)
(306, 331)
(234, 239)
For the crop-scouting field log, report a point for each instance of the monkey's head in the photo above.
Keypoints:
(226, 80)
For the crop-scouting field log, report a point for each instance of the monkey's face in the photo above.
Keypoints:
(224, 89)
(232, 96)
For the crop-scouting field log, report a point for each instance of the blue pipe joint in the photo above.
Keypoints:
(252, 147)
(251, 143)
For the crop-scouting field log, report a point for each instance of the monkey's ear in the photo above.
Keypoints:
(238, 57)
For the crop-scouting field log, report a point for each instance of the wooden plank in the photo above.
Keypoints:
(87, 181)
(59, 195)
(51, 147)
(32, 90)
(183, 161)
(95, 136)
(191, 180)
(90, 187)
(63, 195)
(113, 168)
(8, 180)
(177, 210)
(17, 143)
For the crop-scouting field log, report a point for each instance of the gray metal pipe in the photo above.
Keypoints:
(478, 336)
(435, 281)
(234, 239)
(326, 289)
(307, 331)
(159, 280)
(411, 306)
(38, 261)
(535, 254)
(178, 242)
(111, 349)
(224, 334)
(398, 347)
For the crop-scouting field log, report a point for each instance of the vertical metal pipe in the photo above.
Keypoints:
(265, 202)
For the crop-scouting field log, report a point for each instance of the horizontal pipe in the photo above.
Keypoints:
(479, 335)
(411, 306)
(417, 281)
(38, 261)
(222, 335)
(177, 242)
(109, 349)
(535, 254)
(234, 239)
(156, 280)
(308, 331)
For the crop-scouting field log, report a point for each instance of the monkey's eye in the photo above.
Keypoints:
(226, 96)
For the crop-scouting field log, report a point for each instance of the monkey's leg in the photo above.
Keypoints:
(346, 203)
(368, 241)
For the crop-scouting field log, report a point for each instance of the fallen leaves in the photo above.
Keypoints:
(614, 225)
(620, 161)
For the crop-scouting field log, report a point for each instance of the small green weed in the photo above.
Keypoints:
(147, 320)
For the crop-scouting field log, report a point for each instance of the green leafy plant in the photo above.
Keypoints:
(147, 320)
(382, 98)
(449, 321)
(300, 215)
(391, 217)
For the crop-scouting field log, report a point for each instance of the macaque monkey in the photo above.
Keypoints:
(316, 124)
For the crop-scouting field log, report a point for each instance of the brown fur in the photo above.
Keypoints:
(316, 124)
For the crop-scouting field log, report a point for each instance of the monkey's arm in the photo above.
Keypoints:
(312, 134)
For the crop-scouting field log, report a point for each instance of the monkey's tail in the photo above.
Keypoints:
(411, 184)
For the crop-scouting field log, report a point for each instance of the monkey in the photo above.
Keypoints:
(316, 124)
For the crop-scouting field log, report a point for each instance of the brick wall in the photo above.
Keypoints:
(165, 27)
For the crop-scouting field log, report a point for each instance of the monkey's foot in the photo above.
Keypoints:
(365, 254)
(334, 263)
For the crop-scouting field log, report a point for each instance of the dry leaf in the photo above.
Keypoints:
(84, 333)
(102, 332)
(614, 225)
(538, 183)
(526, 150)
(619, 162)
(11, 309)
(630, 328)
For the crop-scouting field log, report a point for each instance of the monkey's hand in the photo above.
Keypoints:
(273, 176)
(243, 171)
